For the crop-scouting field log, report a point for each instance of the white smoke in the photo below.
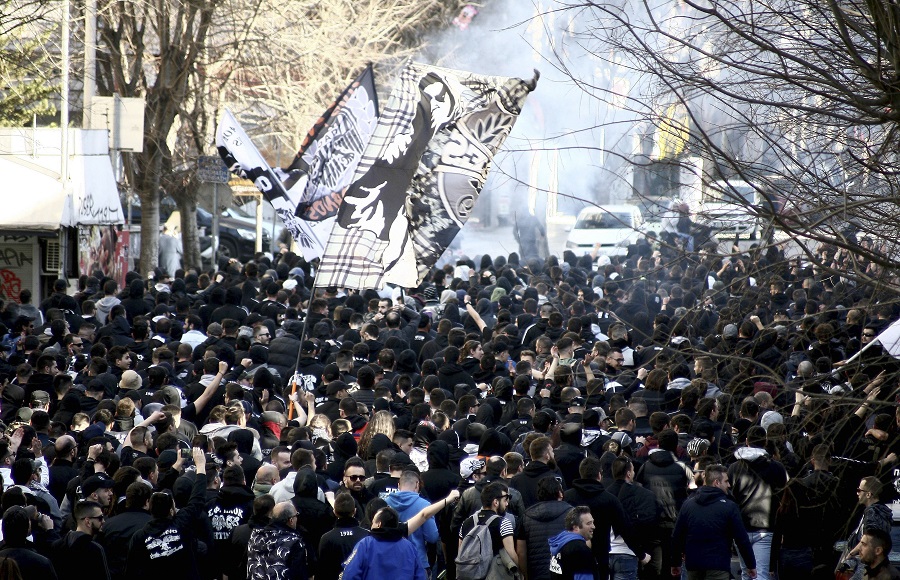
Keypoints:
(570, 137)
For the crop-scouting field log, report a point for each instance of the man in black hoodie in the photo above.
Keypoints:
(336, 545)
(668, 479)
(231, 508)
(310, 370)
(17, 526)
(77, 555)
(438, 343)
(643, 513)
(450, 374)
(231, 309)
(441, 478)
(607, 511)
(349, 410)
(526, 483)
(283, 349)
(166, 546)
(119, 529)
(757, 485)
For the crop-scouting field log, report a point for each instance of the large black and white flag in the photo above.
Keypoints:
(307, 195)
(420, 175)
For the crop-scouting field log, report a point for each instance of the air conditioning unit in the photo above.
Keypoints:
(52, 256)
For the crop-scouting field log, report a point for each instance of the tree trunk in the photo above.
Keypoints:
(189, 237)
(149, 231)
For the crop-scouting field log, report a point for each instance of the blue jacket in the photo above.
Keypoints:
(571, 559)
(706, 526)
(385, 555)
(408, 504)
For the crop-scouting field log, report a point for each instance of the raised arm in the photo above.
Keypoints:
(423, 516)
(473, 314)
(210, 390)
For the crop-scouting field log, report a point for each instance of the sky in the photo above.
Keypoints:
(558, 140)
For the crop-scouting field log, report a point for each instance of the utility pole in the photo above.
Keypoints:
(90, 61)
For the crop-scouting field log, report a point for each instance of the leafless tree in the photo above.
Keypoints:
(276, 64)
(796, 97)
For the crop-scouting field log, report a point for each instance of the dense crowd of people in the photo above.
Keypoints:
(659, 414)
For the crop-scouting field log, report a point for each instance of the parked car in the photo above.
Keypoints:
(237, 239)
(614, 227)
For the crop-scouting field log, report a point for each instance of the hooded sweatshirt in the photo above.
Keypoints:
(571, 559)
(408, 504)
(383, 554)
(706, 527)
(440, 479)
(168, 547)
(104, 305)
(78, 551)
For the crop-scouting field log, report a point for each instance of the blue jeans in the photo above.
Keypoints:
(761, 542)
(623, 567)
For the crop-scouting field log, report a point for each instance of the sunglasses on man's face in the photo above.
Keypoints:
(356, 477)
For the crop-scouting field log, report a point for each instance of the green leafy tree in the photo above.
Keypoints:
(27, 81)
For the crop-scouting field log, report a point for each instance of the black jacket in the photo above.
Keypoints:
(527, 481)
(757, 482)
(336, 545)
(168, 547)
(641, 507)
(315, 516)
(228, 311)
(277, 551)
(61, 473)
(283, 350)
(31, 564)
(440, 479)
(116, 536)
(77, 555)
(668, 480)
(608, 515)
(541, 522)
(568, 458)
(451, 374)
(235, 565)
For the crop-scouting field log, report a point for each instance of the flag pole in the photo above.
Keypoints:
(872, 342)
(303, 335)
(859, 352)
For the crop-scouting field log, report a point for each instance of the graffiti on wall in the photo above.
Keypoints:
(104, 249)
(16, 265)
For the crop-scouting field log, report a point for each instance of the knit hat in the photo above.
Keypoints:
(130, 381)
(470, 465)
(697, 447)
(770, 418)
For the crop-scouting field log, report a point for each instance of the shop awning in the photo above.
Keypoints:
(34, 196)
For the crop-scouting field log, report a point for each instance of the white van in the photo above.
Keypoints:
(614, 227)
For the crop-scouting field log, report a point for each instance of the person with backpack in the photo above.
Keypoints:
(483, 535)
